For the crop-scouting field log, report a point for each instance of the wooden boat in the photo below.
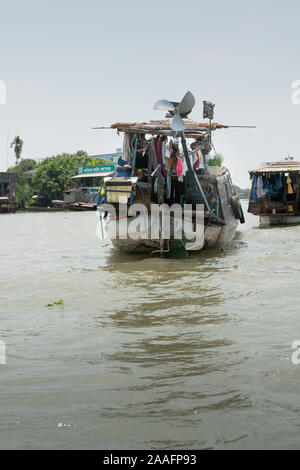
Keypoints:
(81, 206)
(8, 192)
(44, 209)
(219, 230)
(275, 193)
(6, 206)
(138, 183)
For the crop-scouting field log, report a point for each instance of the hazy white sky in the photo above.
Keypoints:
(70, 65)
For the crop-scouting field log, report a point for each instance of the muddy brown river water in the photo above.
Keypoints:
(146, 353)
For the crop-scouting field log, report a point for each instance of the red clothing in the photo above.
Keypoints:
(159, 156)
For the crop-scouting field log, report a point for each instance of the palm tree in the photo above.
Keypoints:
(17, 145)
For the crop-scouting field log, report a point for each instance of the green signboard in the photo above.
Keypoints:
(96, 169)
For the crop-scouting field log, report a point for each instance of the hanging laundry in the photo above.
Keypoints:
(267, 186)
(254, 189)
(284, 197)
(164, 143)
(184, 165)
(159, 186)
(126, 152)
(169, 185)
(141, 157)
(179, 170)
(134, 147)
(163, 149)
(152, 159)
(171, 160)
(196, 160)
(167, 151)
(158, 143)
(201, 162)
(278, 183)
(260, 190)
(289, 185)
(167, 159)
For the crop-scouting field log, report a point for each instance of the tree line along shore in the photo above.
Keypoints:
(48, 178)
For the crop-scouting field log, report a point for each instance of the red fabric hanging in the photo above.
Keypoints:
(159, 156)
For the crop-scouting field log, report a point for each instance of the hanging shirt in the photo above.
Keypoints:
(163, 149)
(167, 151)
(260, 189)
(169, 185)
(184, 165)
(159, 156)
(254, 187)
(284, 196)
(126, 152)
(152, 160)
(179, 170)
(196, 160)
(289, 185)
(278, 183)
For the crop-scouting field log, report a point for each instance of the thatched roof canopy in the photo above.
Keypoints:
(193, 128)
(289, 166)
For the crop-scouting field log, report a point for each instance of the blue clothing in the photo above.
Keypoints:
(284, 197)
(98, 198)
(254, 186)
(268, 186)
(278, 183)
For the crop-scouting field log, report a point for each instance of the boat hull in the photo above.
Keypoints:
(217, 229)
(215, 236)
(7, 210)
(267, 220)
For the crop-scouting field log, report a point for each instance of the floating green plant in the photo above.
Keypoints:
(58, 302)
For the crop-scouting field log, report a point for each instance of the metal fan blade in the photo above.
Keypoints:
(165, 105)
(187, 103)
(177, 123)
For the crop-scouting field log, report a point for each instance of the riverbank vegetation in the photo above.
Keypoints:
(49, 177)
(242, 193)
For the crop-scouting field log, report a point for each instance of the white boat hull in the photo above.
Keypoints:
(267, 220)
(214, 236)
(218, 232)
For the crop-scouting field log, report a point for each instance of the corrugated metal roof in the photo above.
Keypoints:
(288, 166)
